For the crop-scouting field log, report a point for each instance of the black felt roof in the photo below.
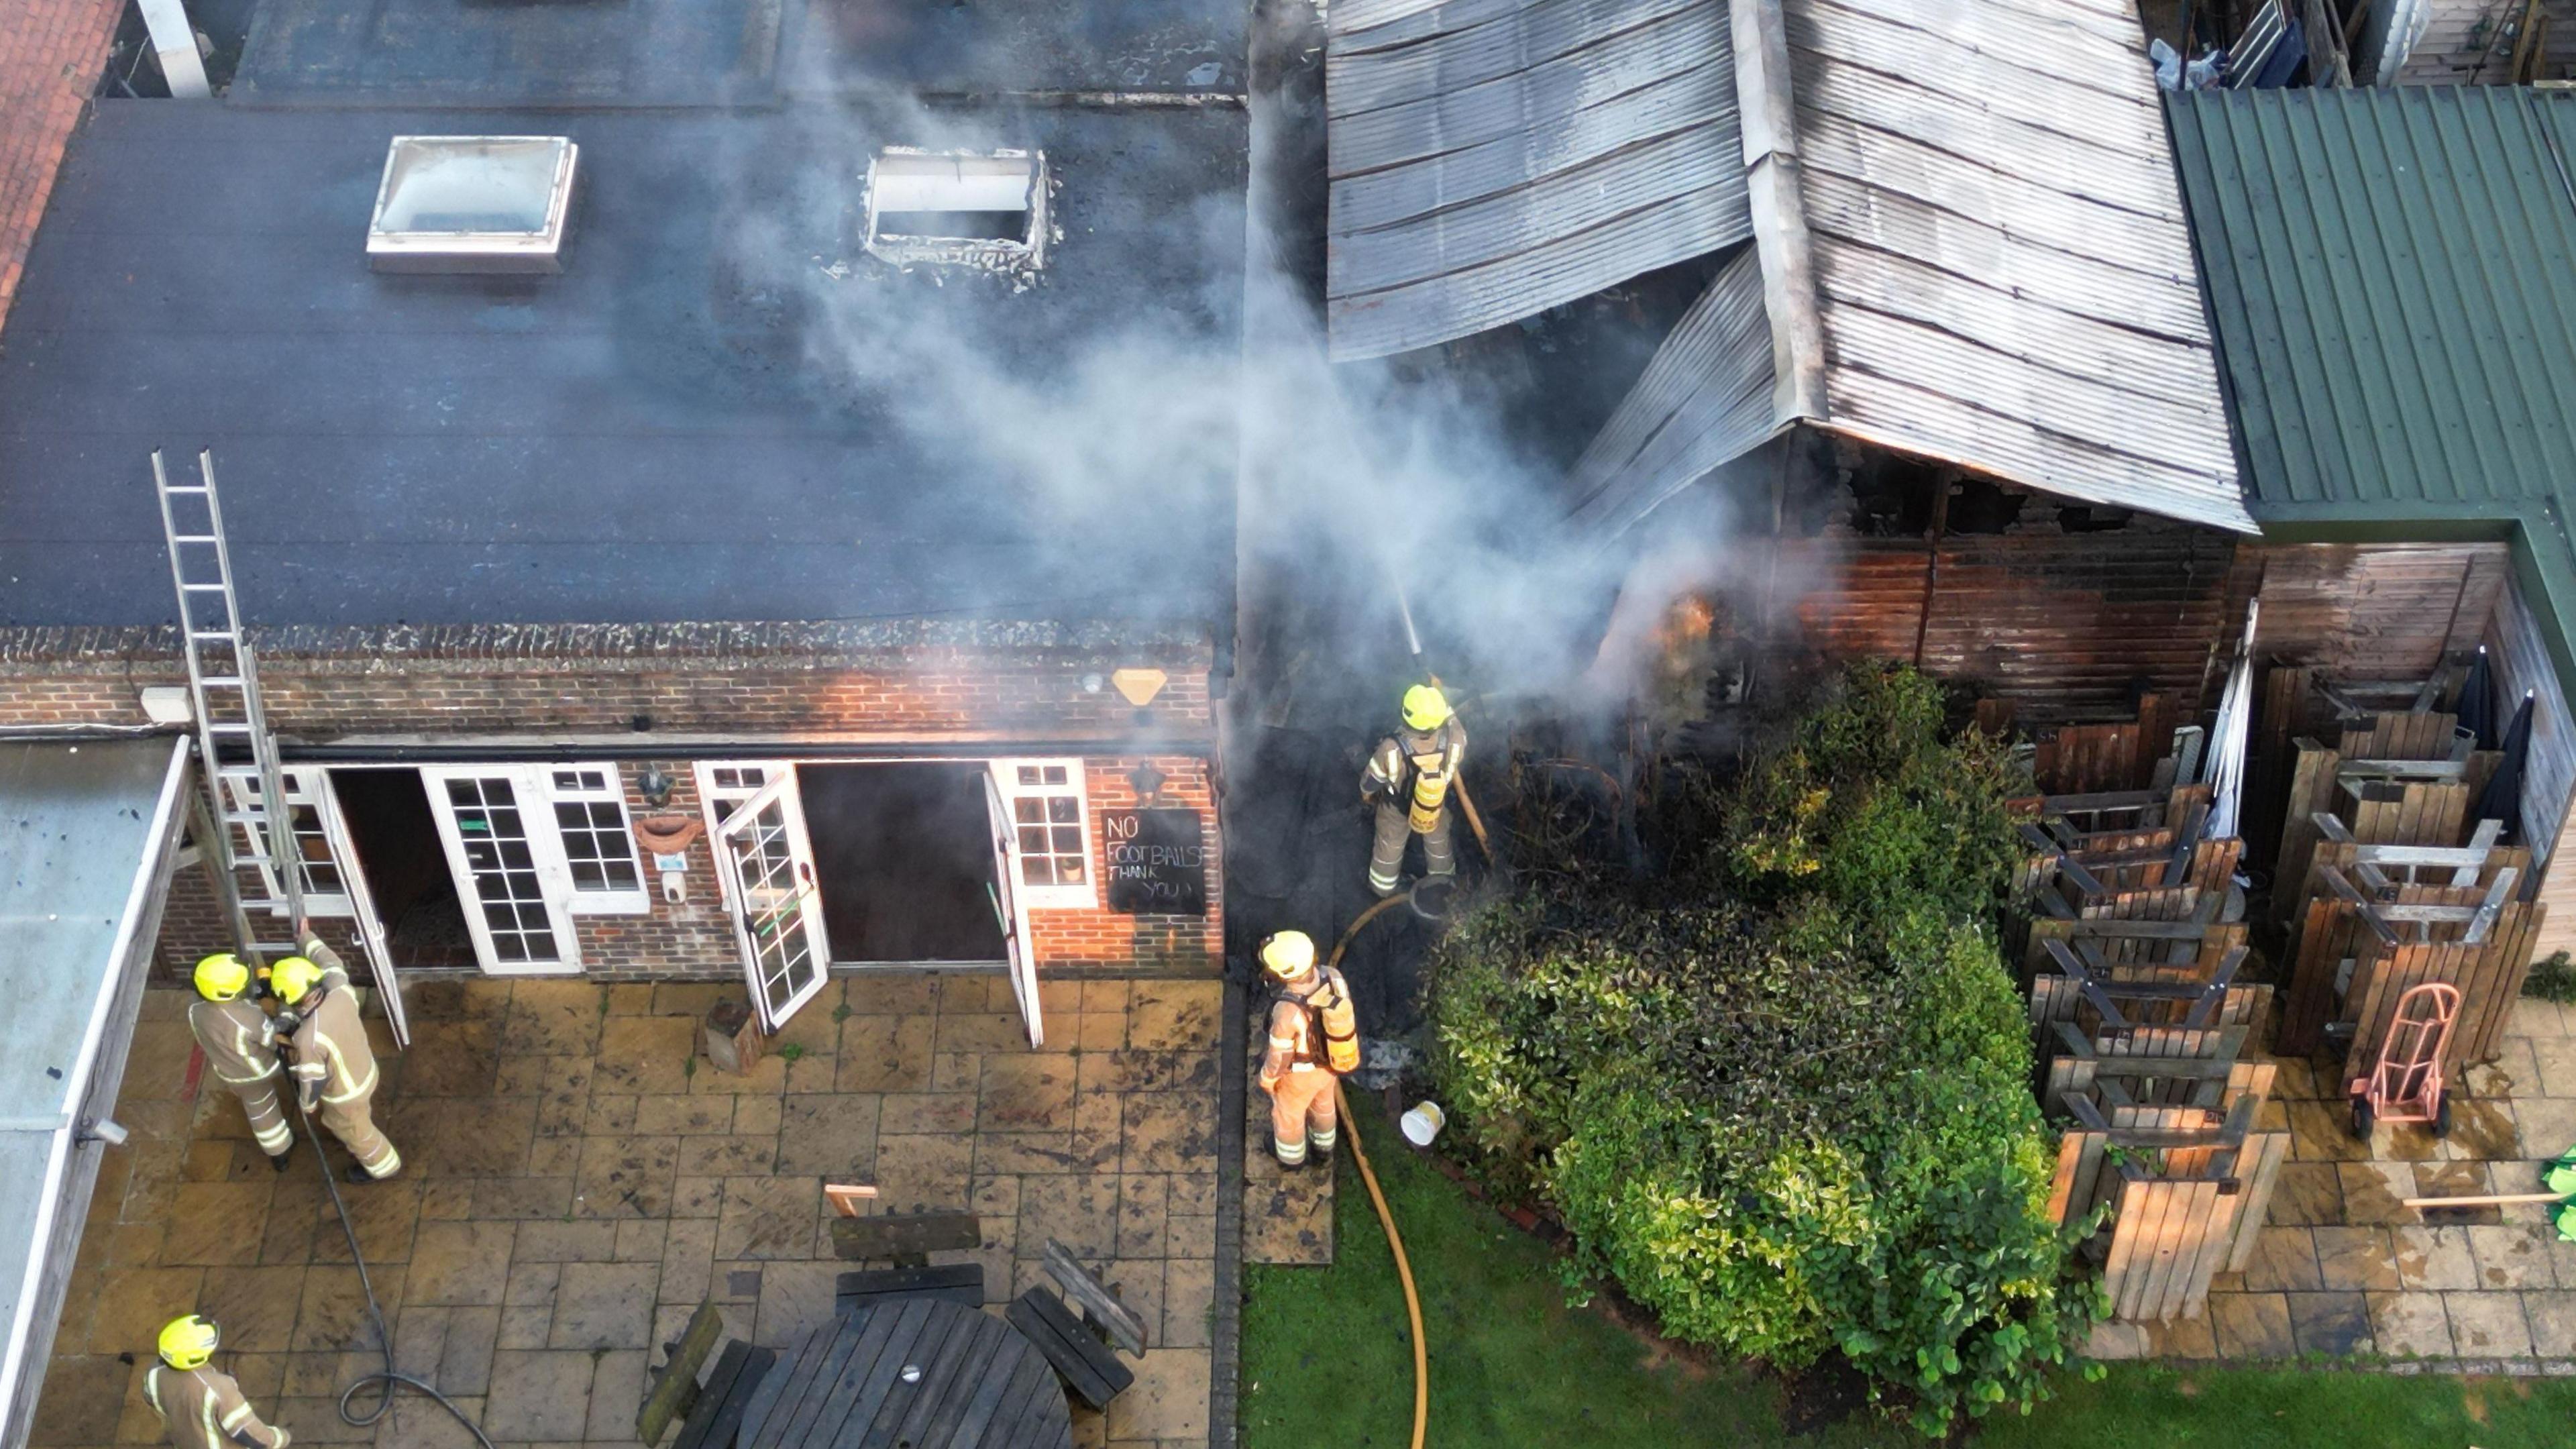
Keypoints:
(719, 411)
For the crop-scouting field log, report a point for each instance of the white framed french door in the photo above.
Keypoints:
(765, 861)
(362, 901)
(335, 886)
(511, 875)
(1008, 910)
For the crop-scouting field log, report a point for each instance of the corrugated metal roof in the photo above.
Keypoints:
(1491, 159)
(1703, 401)
(2393, 275)
(2003, 267)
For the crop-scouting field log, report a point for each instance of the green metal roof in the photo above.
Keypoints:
(2392, 275)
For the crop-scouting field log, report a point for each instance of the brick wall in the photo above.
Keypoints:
(960, 700)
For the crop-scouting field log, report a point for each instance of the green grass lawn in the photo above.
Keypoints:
(1326, 1362)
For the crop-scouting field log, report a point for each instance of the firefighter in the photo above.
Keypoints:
(335, 1069)
(1409, 777)
(1314, 1039)
(240, 1043)
(201, 1407)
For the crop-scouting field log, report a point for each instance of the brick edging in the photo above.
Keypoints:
(1225, 1319)
(368, 648)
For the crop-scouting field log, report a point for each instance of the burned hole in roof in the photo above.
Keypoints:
(984, 209)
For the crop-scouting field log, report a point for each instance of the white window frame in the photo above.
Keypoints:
(1006, 778)
(529, 790)
(598, 900)
(241, 786)
(716, 802)
(783, 789)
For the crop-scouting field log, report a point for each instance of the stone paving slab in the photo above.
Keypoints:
(2343, 1268)
(575, 1187)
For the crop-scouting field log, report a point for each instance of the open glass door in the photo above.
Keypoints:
(509, 872)
(768, 870)
(362, 901)
(1006, 909)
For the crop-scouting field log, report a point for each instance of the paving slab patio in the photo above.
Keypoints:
(2343, 1267)
(576, 1185)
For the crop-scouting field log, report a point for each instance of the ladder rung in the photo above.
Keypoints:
(204, 588)
(194, 538)
(221, 681)
(185, 488)
(212, 634)
(226, 727)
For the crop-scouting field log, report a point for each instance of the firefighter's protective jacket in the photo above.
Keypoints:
(1410, 764)
(1295, 1044)
(333, 1062)
(204, 1409)
(239, 1039)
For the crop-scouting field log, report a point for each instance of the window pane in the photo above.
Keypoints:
(622, 876)
(1037, 870)
(570, 816)
(1069, 870)
(586, 875)
(461, 792)
(1033, 840)
(1061, 808)
(1027, 810)
(1029, 775)
(567, 780)
(1068, 840)
(1055, 774)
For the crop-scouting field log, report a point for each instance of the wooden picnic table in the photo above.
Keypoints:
(927, 1373)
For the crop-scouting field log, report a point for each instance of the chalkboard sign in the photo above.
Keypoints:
(1157, 862)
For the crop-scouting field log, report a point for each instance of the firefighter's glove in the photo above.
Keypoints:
(308, 1084)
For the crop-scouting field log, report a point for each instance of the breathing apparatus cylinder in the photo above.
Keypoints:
(1430, 791)
(1341, 1032)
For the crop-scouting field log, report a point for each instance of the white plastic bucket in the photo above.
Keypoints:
(1423, 1123)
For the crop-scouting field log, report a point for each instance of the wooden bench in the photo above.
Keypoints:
(1099, 1307)
(674, 1387)
(958, 1282)
(717, 1419)
(906, 1238)
(1090, 1368)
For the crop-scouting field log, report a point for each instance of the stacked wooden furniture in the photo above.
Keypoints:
(2389, 917)
(2141, 1023)
(2130, 854)
(2407, 778)
(2186, 1186)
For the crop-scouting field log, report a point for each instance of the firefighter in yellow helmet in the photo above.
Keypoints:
(201, 1407)
(335, 1068)
(1409, 776)
(240, 1043)
(1314, 1038)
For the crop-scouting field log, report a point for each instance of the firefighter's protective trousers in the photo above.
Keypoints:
(240, 1044)
(1411, 774)
(335, 1068)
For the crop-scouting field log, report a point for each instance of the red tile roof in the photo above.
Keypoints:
(50, 55)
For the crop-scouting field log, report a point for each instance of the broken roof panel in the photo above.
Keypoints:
(2002, 266)
(1703, 402)
(1491, 159)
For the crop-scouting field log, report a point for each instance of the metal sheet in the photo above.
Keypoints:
(86, 831)
(1491, 159)
(2004, 267)
(1703, 401)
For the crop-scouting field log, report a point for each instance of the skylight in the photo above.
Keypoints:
(971, 208)
(473, 204)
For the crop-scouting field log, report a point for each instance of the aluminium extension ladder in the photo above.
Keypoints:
(257, 842)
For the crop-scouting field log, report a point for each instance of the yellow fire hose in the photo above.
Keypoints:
(1386, 1215)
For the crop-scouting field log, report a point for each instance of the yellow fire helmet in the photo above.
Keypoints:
(222, 976)
(293, 977)
(188, 1341)
(1425, 707)
(1288, 955)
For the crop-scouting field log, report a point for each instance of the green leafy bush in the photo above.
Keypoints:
(1782, 1094)
(2552, 978)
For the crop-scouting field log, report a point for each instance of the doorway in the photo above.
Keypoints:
(388, 816)
(903, 853)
